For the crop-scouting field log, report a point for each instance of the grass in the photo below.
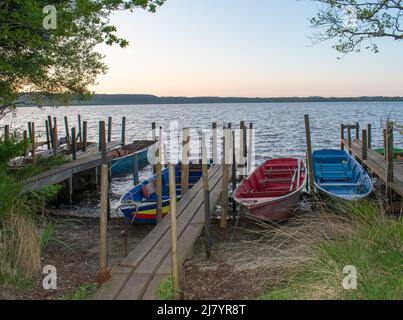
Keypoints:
(165, 290)
(84, 292)
(363, 237)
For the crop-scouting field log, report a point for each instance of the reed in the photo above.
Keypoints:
(361, 235)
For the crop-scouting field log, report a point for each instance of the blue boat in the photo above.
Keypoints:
(338, 175)
(123, 157)
(139, 204)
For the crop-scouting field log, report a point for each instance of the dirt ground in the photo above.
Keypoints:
(73, 250)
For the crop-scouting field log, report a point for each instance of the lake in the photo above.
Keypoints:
(279, 127)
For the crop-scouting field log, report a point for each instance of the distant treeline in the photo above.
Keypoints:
(129, 99)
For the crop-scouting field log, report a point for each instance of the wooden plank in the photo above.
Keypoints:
(138, 254)
(154, 249)
(110, 289)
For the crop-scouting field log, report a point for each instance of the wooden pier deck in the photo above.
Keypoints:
(87, 161)
(376, 163)
(149, 264)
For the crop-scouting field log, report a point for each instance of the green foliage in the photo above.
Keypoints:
(165, 290)
(356, 23)
(373, 247)
(47, 235)
(60, 62)
(84, 292)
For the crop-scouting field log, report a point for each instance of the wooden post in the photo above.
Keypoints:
(80, 134)
(54, 141)
(103, 274)
(384, 143)
(50, 130)
(32, 138)
(389, 158)
(250, 147)
(48, 134)
(233, 173)
(109, 129)
(241, 165)
(364, 149)
(154, 138)
(25, 137)
(123, 131)
(185, 161)
(135, 169)
(159, 179)
(73, 144)
(29, 128)
(349, 138)
(66, 127)
(225, 177)
(357, 131)
(214, 143)
(342, 136)
(309, 153)
(206, 193)
(175, 273)
(85, 133)
(369, 136)
(7, 132)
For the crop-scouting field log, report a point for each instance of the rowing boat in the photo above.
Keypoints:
(272, 191)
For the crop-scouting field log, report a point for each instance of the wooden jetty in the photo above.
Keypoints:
(388, 170)
(149, 264)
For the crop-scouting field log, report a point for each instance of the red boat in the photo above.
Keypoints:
(272, 191)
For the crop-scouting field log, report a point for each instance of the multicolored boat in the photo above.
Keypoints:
(272, 191)
(139, 204)
(339, 176)
(123, 157)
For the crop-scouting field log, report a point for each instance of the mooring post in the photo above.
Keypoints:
(80, 134)
(123, 131)
(369, 136)
(357, 131)
(159, 178)
(55, 143)
(7, 133)
(48, 143)
(214, 143)
(384, 143)
(29, 128)
(242, 161)
(66, 127)
(85, 133)
(73, 143)
(309, 153)
(50, 130)
(342, 136)
(175, 272)
(109, 129)
(250, 147)
(364, 149)
(32, 138)
(389, 159)
(225, 177)
(206, 193)
(103, 274)
(154, 138)
(185, 161)
(233, 176)
(25, 137)
(349, 138)
(135, 169)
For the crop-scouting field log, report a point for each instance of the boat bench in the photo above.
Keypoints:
(341, 185)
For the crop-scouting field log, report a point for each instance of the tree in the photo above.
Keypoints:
(49, 52)
(356, 24)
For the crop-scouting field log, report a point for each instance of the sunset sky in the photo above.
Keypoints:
(240, 48)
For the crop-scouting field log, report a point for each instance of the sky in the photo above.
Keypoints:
(250, 48)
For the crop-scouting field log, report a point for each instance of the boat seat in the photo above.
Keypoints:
(341, 185)
(334, 174)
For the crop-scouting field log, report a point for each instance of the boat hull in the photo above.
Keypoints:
(275, 210)
(272, 191)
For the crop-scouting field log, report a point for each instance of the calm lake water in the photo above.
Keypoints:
(279, 127)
